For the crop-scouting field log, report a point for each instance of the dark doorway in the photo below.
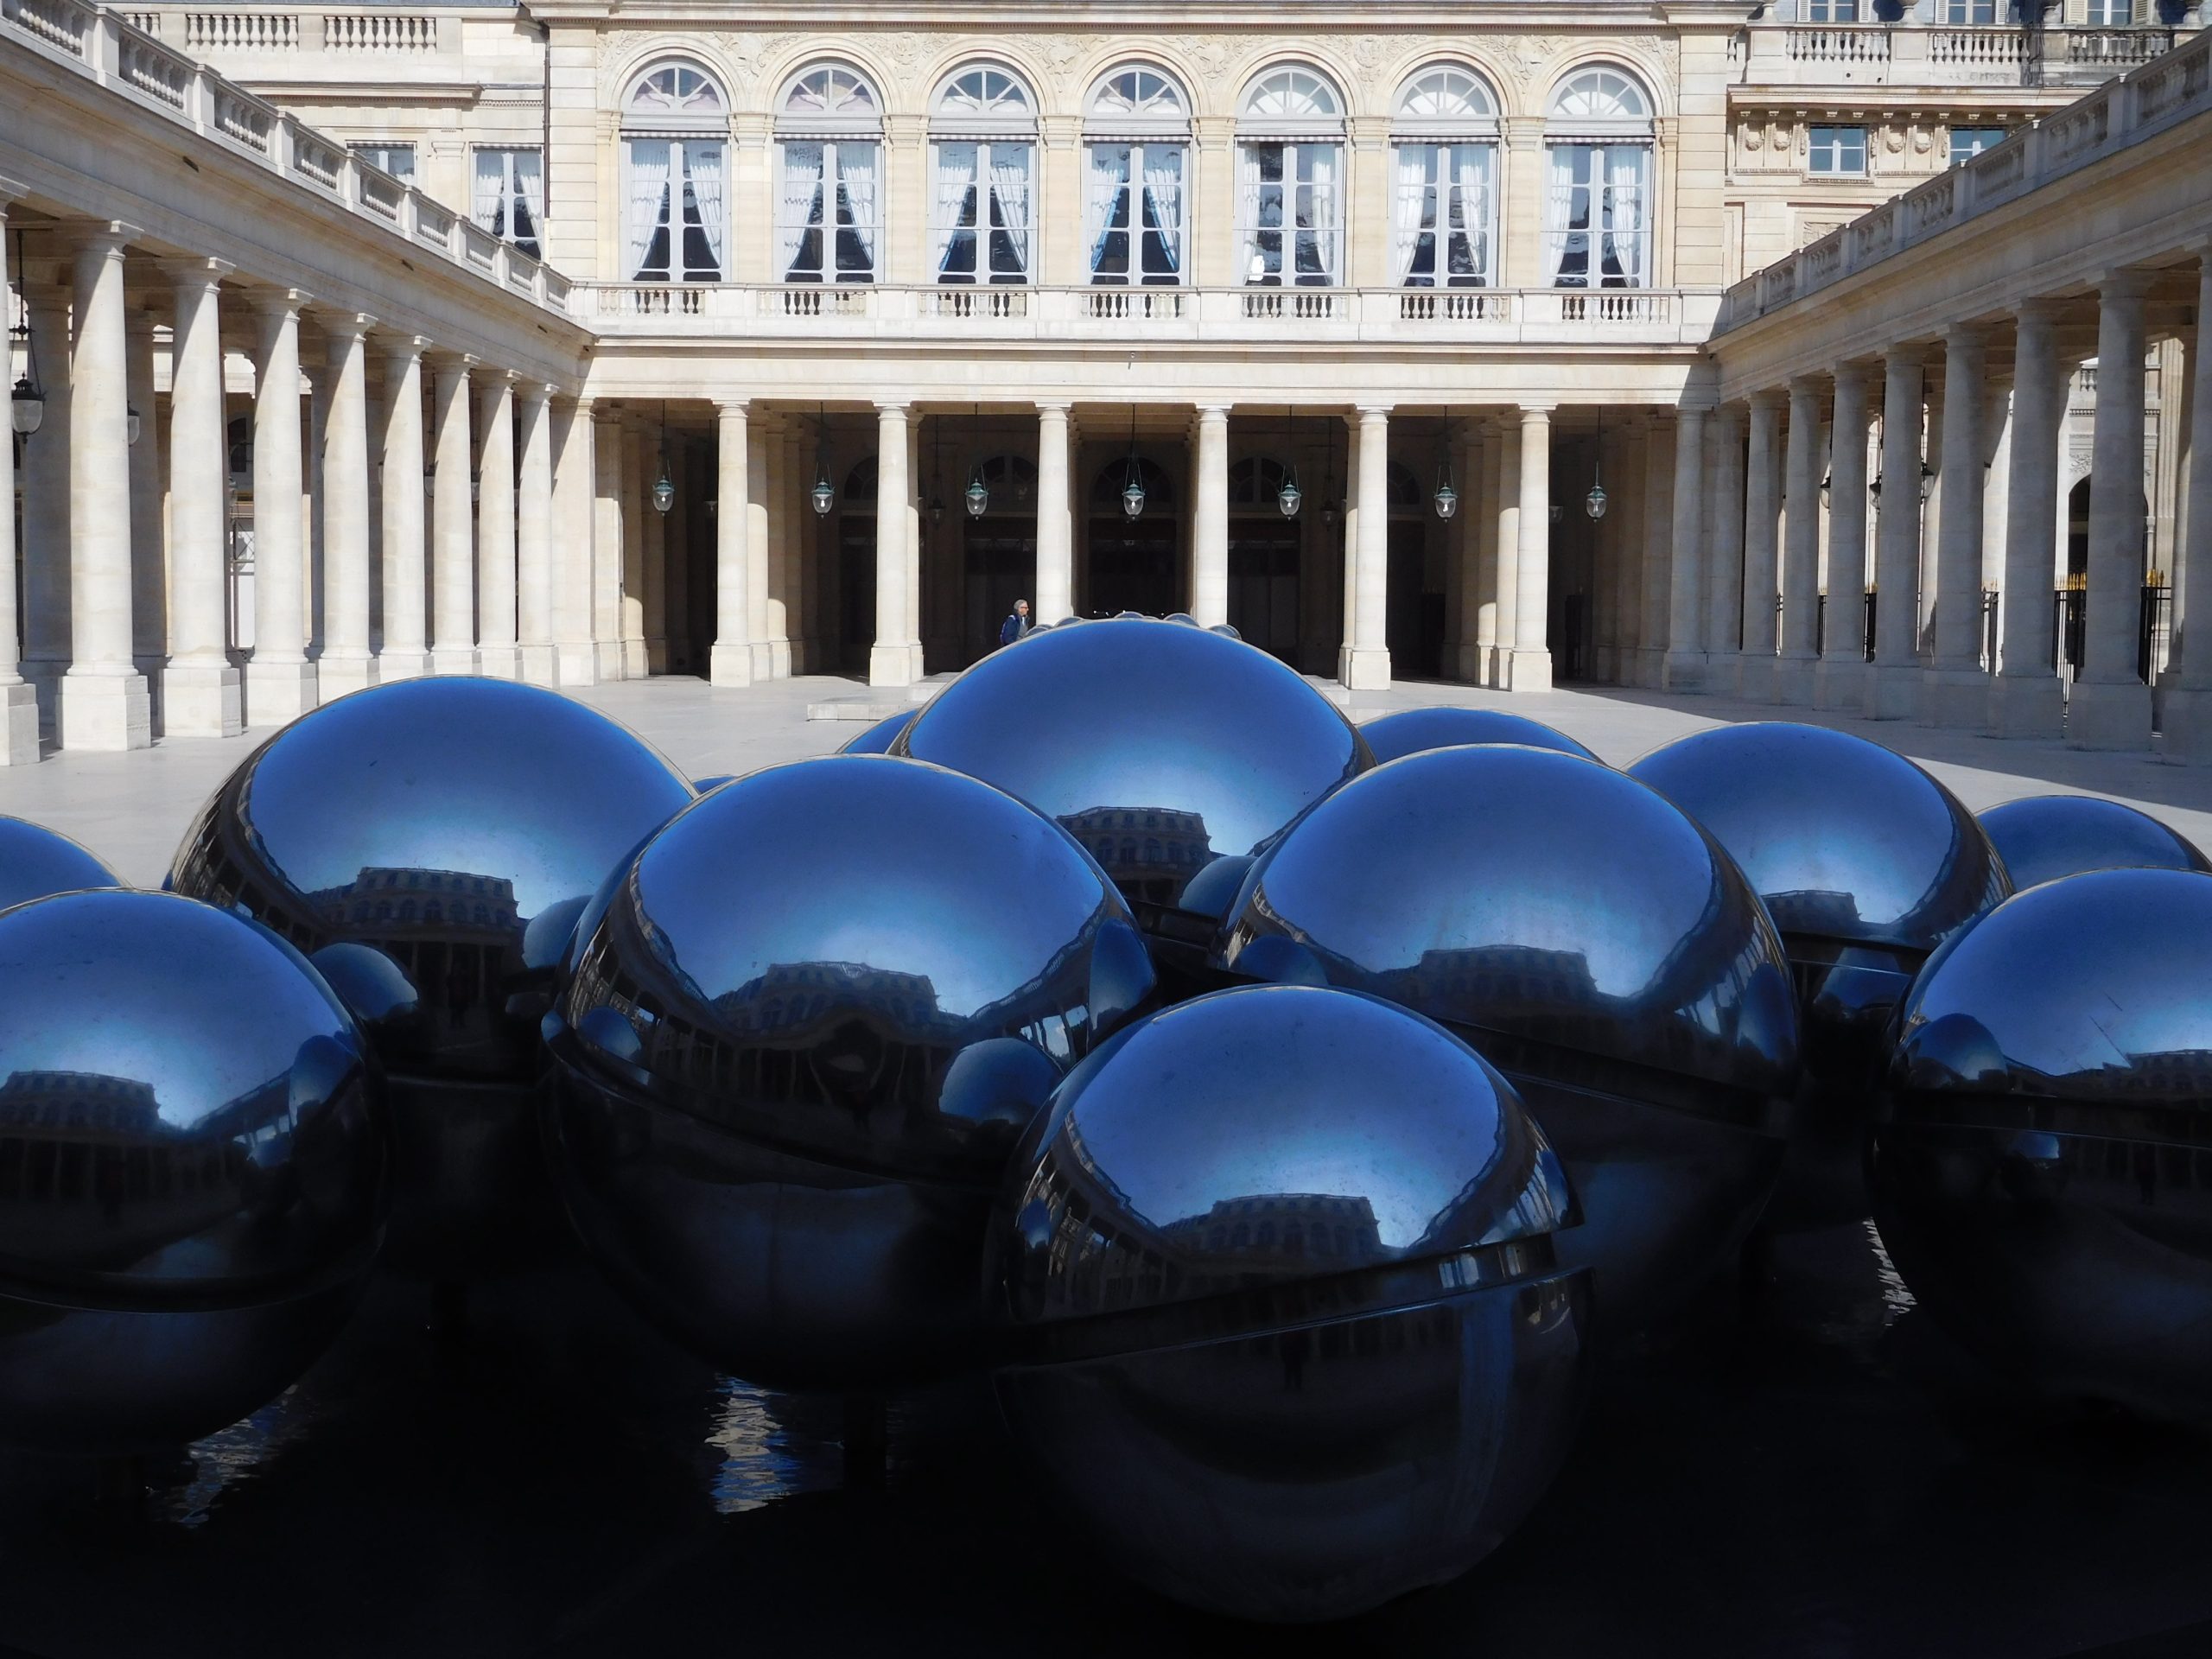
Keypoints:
(1414, 618)
(1133, 563)
(855, 591)
(1263, 583)
(1002, 567)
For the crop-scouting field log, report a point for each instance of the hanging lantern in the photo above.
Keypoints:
(976, 497)
(823, 495)
(1329, 514)
(1594, 502)
(1288, 497)
(131, 423)
(712, 505)
(1132, 496)
(937, 509)
(664, 490)
(29, 407)
(1447, 499)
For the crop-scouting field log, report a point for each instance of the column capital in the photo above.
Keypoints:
(11, 191)
(741, 407)
(887, 407)
(1811, 384)
(448, 364)
(345, 324)
(539, 393)
(1048, 408)
(1769, 397)
(1851, 373)
(2125, 283)
(491, 379)
(194, 270)
(1536, 412)
(400, 348)
(103, 235)
(1371, 412)
(1213, 412)
(1906, 354)
(279, 302)
(1969, 336)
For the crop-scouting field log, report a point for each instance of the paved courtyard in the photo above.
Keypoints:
(131, 808)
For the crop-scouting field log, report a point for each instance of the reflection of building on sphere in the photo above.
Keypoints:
(1152, 852)
(454, 935)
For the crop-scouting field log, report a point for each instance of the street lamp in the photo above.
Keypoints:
(1133, 486)
(977, 496)
(663, 487)
(1288, 497)
(823, 495)
(1594, 503)
(1446, 498)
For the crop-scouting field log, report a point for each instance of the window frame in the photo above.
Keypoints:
(1629, 127)
(375, 151)
(996, 126)
(514, 201)
(686, 135)
(1995, 135)
(831, 226)
(1152, 255)
(1837, 147)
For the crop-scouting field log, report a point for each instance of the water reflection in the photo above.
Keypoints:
(772, 1446)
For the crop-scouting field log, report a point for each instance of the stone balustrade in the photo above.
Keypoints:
(1902, 55)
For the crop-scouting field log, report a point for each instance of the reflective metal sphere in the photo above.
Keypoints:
(1161, 747)
(430, 844)
(35, 862)
(2043, 1178)
(1866, 864)
(879, 738)
(2046, 837)
(1291, 1336)
(192, 1170)
(799, 1044)
(1594, 945)
(1411, 730)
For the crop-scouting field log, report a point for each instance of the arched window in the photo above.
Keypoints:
(674, 127)
(1290, 150)
(1597, 136)
(1011, 480)
(983, 134)
(1254, 482)
(1106, 488)
(1137, 134)
(1444, 140)
(829, 214)
(859, 487)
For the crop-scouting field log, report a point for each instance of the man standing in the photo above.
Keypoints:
(1016, 625)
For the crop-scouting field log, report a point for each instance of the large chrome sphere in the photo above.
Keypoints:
(798, 1044)
(1867, 864)
(2046, 837)
(1594, 945)
(429, 844)
(1411, 730)
(2040, 1178)
(192, 1170)
(1160, 747)
(879, 738)
(1292, 1336)
(35, 862)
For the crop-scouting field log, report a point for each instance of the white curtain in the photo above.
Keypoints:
(1248, 206)
(802, 191)
(648, 199)
(956, 177)
(1322, 210)
(1561, 211)
(856, 172)
(1474, 162)
(1010, 183)
(1109, 171)
(1410, 213)
(1163, 188)
(1625, 211)
(530, 179)
(490, 190)
(706, 164)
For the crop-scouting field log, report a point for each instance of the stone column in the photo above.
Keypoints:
(607, 511)
(1367, 655)
(632, 577)
(2189, 701)
(347, 664)
(149, 550)
(281, 684)
(2111, 707)
(791, 549)
(406, 566)
(1758, 674)
(1479, 636)
(103, 702)
(574, 464)
(534, 536)
(1647, 588)
(1054, 601)
(453, 619)
(1636, 484)
(1506, 535)
(896, 658)
(1801, 562)
(46, 505)
(778, 498)
(653, 563)
(496, 652)
(201, 696)
(730, 663)
(1210, 519)
(18, 698)
(1893, 683)
(1683, 667)
(1955, 690)
(1725, 598)
(1530, 666)
(1840, 681)
(758, 446)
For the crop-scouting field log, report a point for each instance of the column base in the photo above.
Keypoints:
(401, 664)
(606, 658)
(729, 665)
(341, 675)
(1839, 683)
(202, 699)
(1682, 670)
(1651, 665)
(151, 669)
(1494, 674)
(779, 660)
(1758, 677)
(2109, 714)
(1793, 680)
(576, 662)
(538, 667)
(19, 745)
(635, 666)
(1892, 690)
(499, 662)
(43, 675)
(1471, 663)
(2188, 724)
(889, 665)
(453, 659)
(1529, 671)
(106, 712)
(1363, 667)
(1957, 698)
(277, 693)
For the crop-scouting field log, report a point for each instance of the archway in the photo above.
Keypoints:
(998, 553)
(1263, 553)
(1414, 614)
(1132, 561)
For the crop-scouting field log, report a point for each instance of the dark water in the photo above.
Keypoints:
(1805, 1469)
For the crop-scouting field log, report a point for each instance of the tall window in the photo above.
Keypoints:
(510, 195)
(1837, 152)
(1444, 140)
(1966, 142)
(1831, 11)
(2112, 14)
(984, 134)
(1597, 216)
(829, 208)
(675, 124)
(398, 159)
(1290, 181)
(1137, 138)
(1972, 13)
